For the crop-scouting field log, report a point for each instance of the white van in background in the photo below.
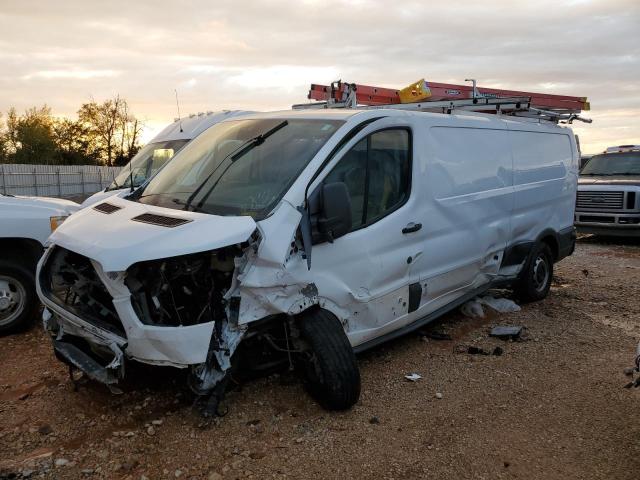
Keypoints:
(307, 236)
(153, 156)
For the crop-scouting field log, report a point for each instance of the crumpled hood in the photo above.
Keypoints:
(604, 180)
(117, 242)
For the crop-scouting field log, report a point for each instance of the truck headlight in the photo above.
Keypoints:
(55, 222)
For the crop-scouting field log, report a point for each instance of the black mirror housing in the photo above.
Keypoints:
(334, 220)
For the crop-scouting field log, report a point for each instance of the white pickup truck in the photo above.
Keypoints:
(25, 225)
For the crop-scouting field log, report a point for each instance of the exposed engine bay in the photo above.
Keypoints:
(185, 290)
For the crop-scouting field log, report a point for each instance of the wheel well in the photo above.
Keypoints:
(552, 242)
(24, 250)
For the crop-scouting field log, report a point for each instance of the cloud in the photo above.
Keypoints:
(73, 73)
(286, 77)
(262, 54)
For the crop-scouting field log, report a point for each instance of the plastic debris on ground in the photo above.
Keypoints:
(413, 377)
(506, 332)
(473, 308)
(502, 305)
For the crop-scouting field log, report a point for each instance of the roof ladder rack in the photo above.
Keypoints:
(445, 98)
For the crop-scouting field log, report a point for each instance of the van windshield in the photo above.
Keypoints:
(146, 163)
(240, 167)
(613, 164)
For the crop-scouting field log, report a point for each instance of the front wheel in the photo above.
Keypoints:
(537, 275)
(329, 363)
(18, 299)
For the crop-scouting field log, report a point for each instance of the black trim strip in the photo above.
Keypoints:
(517, 253)
(566, 242)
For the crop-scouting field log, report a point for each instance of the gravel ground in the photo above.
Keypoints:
(552, 406)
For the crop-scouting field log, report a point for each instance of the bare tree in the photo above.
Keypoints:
(101, 121)
(4, 145)
(130, 129)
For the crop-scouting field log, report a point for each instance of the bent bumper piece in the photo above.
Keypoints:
(74, 356)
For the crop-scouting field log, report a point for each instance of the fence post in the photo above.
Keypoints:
(100, 178)
(4, 183)
(35, 181)
(82, 180)
(59, 186)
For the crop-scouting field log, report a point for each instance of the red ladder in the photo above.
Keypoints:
(369, 95)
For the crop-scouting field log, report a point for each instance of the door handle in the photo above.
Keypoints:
(412, 227)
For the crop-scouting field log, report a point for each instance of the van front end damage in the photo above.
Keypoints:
(180, 311)
(236, 306)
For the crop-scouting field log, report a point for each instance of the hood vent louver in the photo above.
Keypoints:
(160, 220)
(107, 208)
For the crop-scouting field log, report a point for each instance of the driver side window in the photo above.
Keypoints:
(377, 173)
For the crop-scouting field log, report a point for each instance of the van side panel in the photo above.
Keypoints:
(469, 185)
(545, 176)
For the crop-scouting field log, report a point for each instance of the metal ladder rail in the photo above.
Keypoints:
(446, 106)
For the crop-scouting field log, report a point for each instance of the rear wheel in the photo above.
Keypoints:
(329, 365)
(537, 275)
(18, 300)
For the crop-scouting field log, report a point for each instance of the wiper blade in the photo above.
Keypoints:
(233, 155)
(177, 201)
(257, 140)
(114, 186)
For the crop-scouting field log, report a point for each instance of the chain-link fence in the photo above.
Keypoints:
(55, 180)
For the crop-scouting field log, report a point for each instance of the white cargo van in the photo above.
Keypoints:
(155, 154)
(308, 236)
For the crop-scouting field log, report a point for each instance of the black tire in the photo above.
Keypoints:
(536, 278)
(18, 299)
(330, 367)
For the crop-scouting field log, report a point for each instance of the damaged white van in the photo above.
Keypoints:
(307, 236)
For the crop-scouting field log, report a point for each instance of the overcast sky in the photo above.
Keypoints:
(263, 55)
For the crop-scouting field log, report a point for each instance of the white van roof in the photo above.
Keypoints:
(190, 127)
(485, 119)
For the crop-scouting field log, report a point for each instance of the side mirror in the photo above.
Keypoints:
(334, 220)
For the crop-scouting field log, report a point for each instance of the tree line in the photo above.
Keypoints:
(105, 133)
